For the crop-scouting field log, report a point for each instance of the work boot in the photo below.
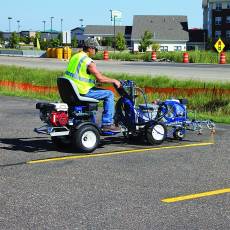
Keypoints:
(110, 128)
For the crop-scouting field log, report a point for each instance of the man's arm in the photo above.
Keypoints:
(100, 77)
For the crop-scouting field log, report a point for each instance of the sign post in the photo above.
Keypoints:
(115, 14)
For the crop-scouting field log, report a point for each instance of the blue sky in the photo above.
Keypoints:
(93, 12)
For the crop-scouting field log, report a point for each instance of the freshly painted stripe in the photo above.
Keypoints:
(195, 196)
(115, 153)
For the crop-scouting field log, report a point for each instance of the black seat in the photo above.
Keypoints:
(70, 94)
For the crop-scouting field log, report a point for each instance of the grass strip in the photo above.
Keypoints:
(208, 105)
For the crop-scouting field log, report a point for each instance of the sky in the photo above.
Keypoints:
(93, 12)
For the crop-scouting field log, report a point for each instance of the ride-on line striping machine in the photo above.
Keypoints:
(73, 122)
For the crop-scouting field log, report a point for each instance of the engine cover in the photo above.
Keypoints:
(59, 118)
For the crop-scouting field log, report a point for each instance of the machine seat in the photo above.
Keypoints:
(69, 93)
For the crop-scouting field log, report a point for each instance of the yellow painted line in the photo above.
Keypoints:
(195, 196)
(116, 153)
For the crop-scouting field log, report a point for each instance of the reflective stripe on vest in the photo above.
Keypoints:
(76, 75)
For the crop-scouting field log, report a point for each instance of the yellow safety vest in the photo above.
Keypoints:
(77, 71)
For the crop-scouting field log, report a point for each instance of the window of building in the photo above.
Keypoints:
(218, 6)
(228, 19)
(177, 48)
(218, 20)
(164, 48)
(228, 5)
(217, 34)
(228, 34)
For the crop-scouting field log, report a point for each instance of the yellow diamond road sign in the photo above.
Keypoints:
(219, 45)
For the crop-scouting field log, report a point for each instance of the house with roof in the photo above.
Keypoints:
(105, 31)
(171, 32)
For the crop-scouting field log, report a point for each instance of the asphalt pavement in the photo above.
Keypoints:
(204, 72)
(123, 188)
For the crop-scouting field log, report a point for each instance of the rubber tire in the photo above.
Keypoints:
(77, 138)
(177, 135)
(62, 141)
(150, 137)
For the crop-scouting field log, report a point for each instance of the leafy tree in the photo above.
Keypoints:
(155, 46)
(108, 41)
(145, 41)
(74, 42)
(44, 45)
(1, 37)
(37, 36)
(120, 42)
(27, 40)
(60, 38)
(55, 42)
(14, 40)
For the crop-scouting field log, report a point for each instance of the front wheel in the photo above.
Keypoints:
(86, 139)
(156, 134)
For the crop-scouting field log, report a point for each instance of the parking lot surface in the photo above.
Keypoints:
(177, 185)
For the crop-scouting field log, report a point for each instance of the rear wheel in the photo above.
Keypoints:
(156, 134)
(86, 139)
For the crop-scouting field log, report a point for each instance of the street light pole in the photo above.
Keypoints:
(114, 31)
(9, 18)
(81, 20)
(44, 25)
(51, 21)
(18, 21)
(61, 23)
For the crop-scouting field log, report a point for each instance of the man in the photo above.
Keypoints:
(83, 71)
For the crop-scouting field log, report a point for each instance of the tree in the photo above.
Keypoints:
(1, 37)
(14, 40)
(108, 41)
(37, 36)
(120, 42)
(155, 46)
(74, 42)
(55, 42)
(145, 41)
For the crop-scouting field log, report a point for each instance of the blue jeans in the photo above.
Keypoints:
(108, 103)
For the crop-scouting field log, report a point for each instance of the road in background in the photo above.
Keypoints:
(204, 72)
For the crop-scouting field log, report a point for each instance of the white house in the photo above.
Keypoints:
(171, 32)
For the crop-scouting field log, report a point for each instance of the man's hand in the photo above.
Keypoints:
(117, 83)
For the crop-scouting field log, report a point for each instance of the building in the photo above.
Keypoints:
(171, 32)
(197, 39)
(216, 19)
(78, 32)
(48, 35)
(28, 34)
(104, 31)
